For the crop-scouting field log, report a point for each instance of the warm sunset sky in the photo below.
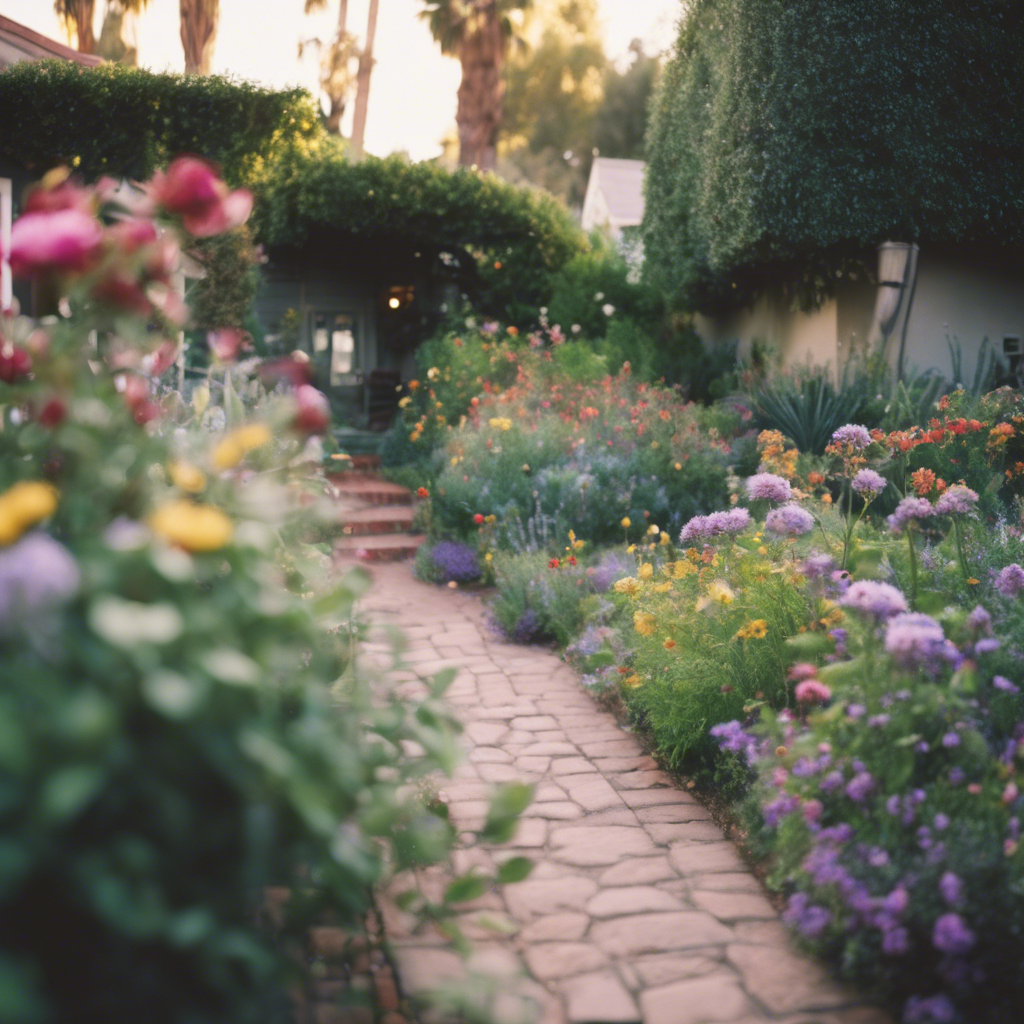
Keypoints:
(412, 95)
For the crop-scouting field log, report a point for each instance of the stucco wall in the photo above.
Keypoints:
(966, 297)
(797, 337)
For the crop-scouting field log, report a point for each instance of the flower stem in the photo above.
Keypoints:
(960, 547)
(913, 568)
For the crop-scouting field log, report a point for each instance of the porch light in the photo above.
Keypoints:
(394, 302)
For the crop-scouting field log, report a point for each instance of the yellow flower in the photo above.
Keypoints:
(239, 443)
(501, 423)
(762, 550)
(669, 644)
(972, 582)
(193, 527)
(630, 549)
(415, 435)
(432, 373)
(721, 592)
(632, 681)
(187, 477)
(627, 586)
(644, 623)
(579, 545)
(490, 519)
(679, 465)
(756, 630)
(662, 588)
(652, 529)
(403, 402)
(665, 539)
(826, 499)
(200, 399)
(24, 505)
(680, 570)
(572, 536)
(646, 571)
(488, 557)
(626, 524)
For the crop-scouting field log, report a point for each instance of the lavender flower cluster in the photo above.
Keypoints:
(36, 575)
(736, 520)
(1010, 580)
(917, 641)
(956, 500)
(455, 561)
(880, 600)
(868, 483)
(910, 510)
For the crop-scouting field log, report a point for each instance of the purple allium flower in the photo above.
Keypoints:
(877, 857)
(782, 806)
(895, 942)
(951, 739)
(831, 782)
(873, 598)
(808, 918)
(956, 500)
(789, 521)
(1010, 581)
(856, 711)
(1004, 684)
(952, 888)
(956, 775)
(854, 435)
(878, 721)
(770, 486)
(613, 566)
(812, 691)
(941, 822)
(839, 636)
(916, 640)
(36, 575)
(868, 483)
(736, 520)
(732, 736)
(933, 1010)
(528, 628)
(818, 566)
(909, 510)
(897, 901)
(980, 621)
(892, 805)
(951, 935)
(858, 788)
(986, 645)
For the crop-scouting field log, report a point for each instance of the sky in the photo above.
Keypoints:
(413, 88)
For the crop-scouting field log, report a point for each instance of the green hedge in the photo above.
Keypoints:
(515, 236)
(790, 135)
(127, 122)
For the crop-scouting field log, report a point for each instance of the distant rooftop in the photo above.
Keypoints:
(615, 194)
(18, 43)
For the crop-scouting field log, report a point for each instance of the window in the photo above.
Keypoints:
(334, 341)
(1012, 353)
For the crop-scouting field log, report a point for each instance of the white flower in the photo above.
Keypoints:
(576, 328)
(598, 296)
(607, 309)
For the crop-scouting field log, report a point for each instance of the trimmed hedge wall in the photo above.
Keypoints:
(788, 135)
(127, 122)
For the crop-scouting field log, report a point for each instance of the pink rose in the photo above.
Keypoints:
(191, 189)
(226, 343)
(803, 670)
(314, 411)
(64, 241)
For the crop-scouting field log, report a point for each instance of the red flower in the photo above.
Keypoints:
(15, 363)
(226, 343)
(478, 519)
(553, 564)
(571, 560)
(422, 492)
(52, 413)
(63, 241)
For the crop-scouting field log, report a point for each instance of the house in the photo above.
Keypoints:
(19, 43)
(615, 196)
(866, 196)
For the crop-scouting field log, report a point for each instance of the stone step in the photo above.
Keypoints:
(376, 519)
(388, 547)
(372, 490)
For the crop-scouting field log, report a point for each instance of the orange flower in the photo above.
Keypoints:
(923, 481)
(422, 492)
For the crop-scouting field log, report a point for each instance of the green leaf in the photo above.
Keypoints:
(466, 888)
(515, 870)
(66, 792)
(440, 681)
(810, 645)
(511, 800)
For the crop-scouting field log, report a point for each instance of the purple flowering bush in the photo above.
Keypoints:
(891, 815)
(448, 561)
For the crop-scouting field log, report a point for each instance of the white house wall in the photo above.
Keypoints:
(962, 302)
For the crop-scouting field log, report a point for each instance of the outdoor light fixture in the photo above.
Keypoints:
(394, 302)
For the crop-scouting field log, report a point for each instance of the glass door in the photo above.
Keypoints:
(337, 347)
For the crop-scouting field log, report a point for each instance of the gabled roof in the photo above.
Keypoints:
(622, 184)
(17, 42)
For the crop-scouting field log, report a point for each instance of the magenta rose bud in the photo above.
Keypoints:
(313, 415)
(60, 242)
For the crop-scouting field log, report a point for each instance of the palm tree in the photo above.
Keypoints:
(477, 32)
(79, 15)
(116, 40)
(336, 78)
(363, 82)
(199, 20)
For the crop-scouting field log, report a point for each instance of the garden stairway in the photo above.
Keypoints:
(638, 909)
(376, 515)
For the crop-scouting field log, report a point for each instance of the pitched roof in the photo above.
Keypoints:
(622, 184)
(17, 42)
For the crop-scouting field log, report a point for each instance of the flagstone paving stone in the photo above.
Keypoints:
(638, 910)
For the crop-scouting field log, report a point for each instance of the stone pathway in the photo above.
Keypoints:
(638, 909)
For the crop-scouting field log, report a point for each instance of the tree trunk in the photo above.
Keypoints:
(199, 33)
(481, 92)
(363, 82)
(338, 102)
(79, 13)
(118, 37)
